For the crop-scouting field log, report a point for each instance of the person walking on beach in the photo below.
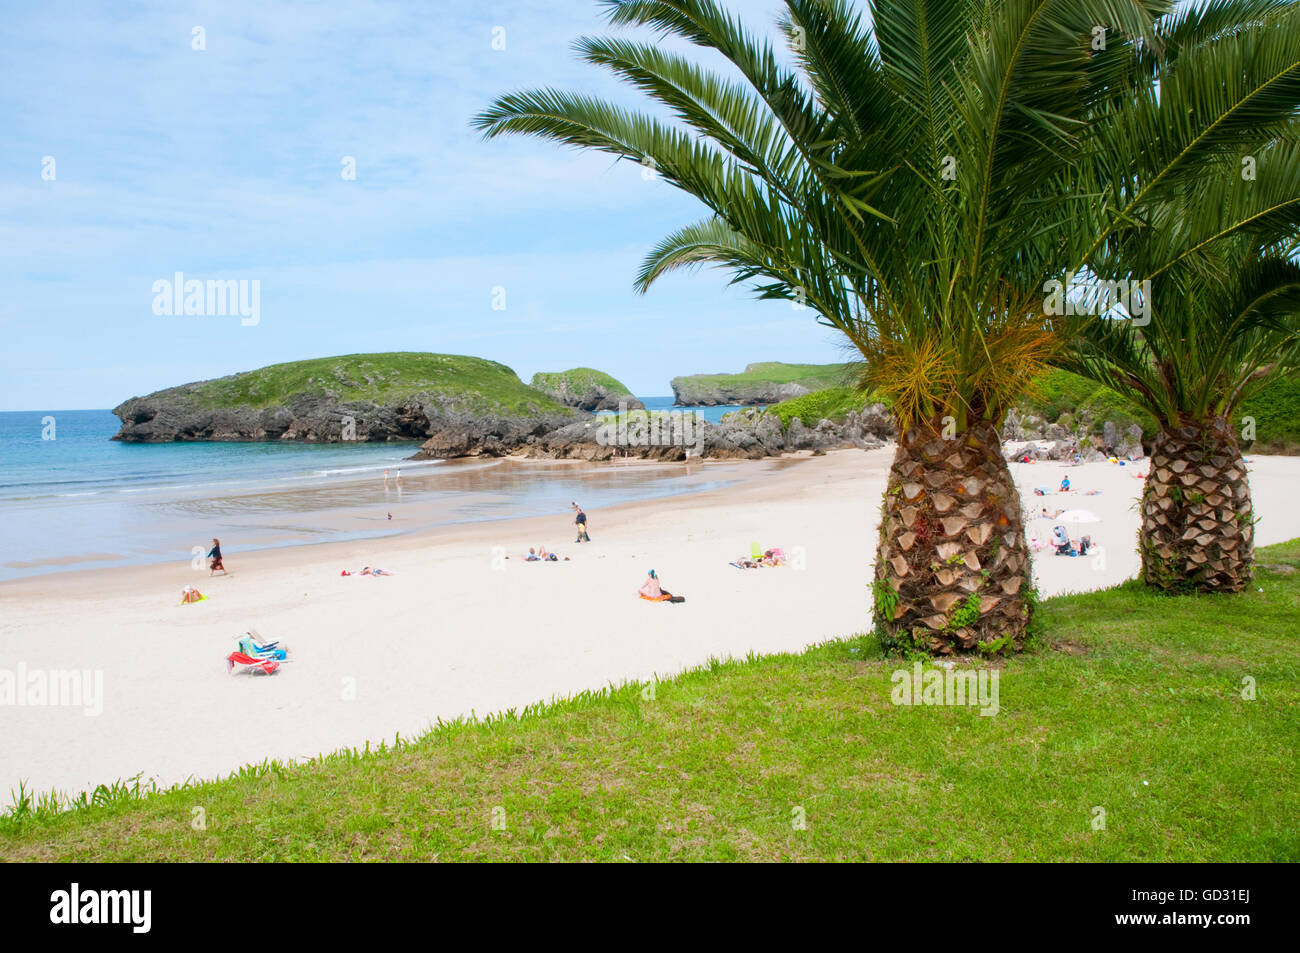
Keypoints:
(581, 520)
(214, 558)
(385, 479)
(399, 478)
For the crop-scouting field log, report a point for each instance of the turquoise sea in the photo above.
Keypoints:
(71, 498)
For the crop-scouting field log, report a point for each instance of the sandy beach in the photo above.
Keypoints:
(461, 629)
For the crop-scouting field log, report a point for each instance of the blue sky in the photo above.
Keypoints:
(225, 163)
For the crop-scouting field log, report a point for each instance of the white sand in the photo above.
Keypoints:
(452, 634)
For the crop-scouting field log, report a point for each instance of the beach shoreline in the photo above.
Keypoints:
(460, 629)
(416, 516)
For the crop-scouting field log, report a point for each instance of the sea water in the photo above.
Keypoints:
(72, 498)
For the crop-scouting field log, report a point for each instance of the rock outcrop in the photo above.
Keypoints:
(449, 430)
(763, 383)
(1033, 437)
(587, 389)
(458, 405)
(745, 434)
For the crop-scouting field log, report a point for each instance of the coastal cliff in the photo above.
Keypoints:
(751, 433)
(764, 383)
(586, 389)
(458, 405)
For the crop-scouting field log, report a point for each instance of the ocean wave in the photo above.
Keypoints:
(408, 464)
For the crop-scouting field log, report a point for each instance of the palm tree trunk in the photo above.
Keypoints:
(1197, 523)
(952, 567)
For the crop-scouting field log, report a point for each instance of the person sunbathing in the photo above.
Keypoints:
(1065, 484)
(652, 590)
(1052, 515)
(368, 571)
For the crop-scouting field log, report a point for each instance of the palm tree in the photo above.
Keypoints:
(1220, 323)
(911, 182)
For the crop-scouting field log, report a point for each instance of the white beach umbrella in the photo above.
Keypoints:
(1079, 516)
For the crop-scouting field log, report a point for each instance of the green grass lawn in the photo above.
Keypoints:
(1132, 703)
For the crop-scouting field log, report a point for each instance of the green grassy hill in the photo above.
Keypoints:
(1061, 397)
(764, 382)
(1058, 393)
(1130, 701)
(578, 380)
(382, 378)
(585, 388)
(833, 403)
(1276, 412)
(774, 372)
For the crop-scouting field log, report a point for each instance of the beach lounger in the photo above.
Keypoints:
(239, 662)
(250, 648)
(755, 552)
(261, 643)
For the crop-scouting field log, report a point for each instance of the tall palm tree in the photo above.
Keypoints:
(911, 181)
(1222, 319)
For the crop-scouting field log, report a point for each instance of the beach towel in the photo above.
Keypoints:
(239, 662)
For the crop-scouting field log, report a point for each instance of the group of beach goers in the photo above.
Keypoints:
(447, 635)
(1059, 540)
